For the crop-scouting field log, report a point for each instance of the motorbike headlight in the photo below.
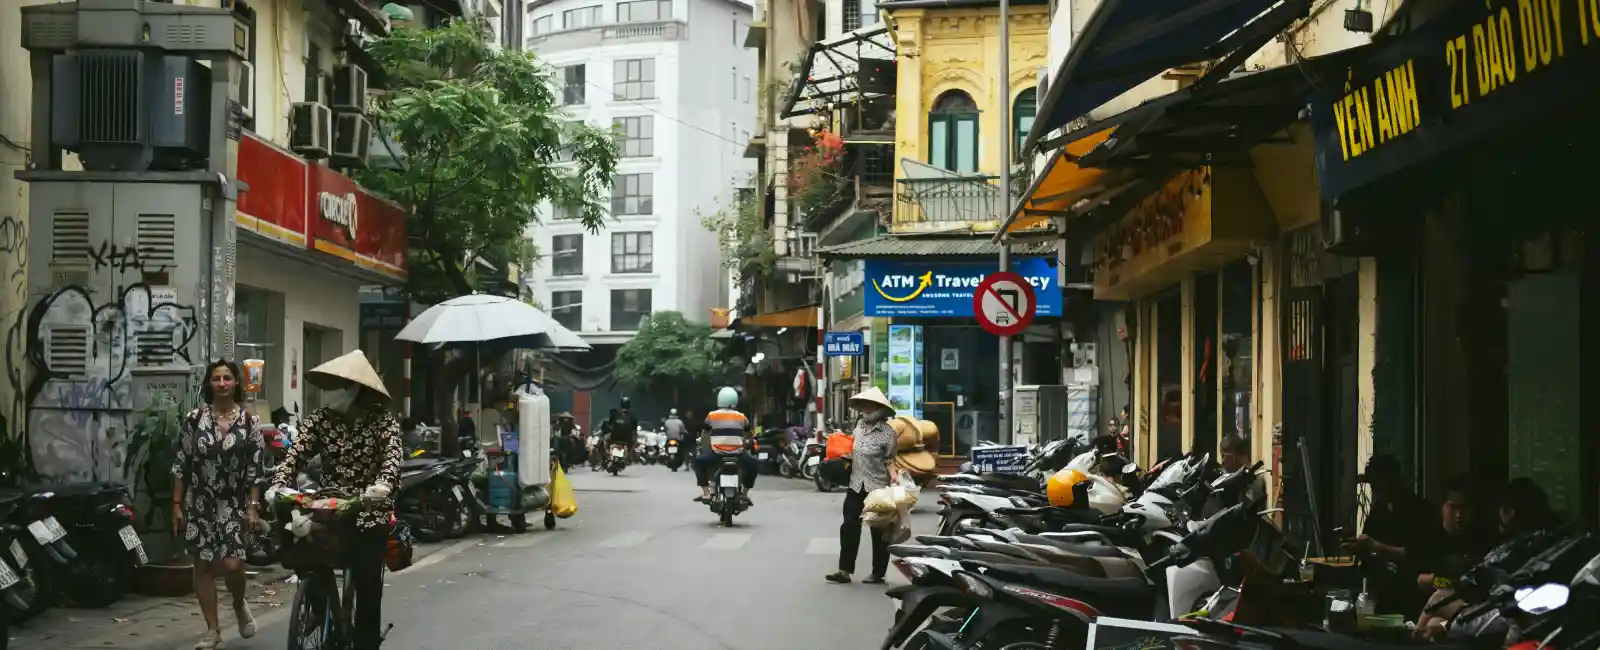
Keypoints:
(1542, 599)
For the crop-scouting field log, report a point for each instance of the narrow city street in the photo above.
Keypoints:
(640, 566)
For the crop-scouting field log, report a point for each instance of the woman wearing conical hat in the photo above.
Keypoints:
(361, 452)
(871, 467)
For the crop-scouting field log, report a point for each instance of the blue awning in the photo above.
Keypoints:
(1127, 42)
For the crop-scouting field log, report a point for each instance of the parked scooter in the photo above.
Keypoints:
(811, 455)
(427, 502)
(789, 456)
(768, 450)
(95, 522)
(23, 592)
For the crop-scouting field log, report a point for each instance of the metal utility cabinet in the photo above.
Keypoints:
(131, 260)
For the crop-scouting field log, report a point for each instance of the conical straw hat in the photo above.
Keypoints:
(352, 366)
(872, 396)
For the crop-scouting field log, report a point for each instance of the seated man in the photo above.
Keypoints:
(727, 431)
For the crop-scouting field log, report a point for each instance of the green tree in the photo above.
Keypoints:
(483, 140)
(670, 352)
(742, 232)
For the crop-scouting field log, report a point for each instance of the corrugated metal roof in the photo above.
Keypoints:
(892, 246)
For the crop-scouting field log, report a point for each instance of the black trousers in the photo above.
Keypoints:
(366, 577)
(850, 537)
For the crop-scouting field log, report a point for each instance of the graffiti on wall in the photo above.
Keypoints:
(13, 313)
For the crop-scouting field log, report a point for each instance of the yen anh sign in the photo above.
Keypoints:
(1004, 304)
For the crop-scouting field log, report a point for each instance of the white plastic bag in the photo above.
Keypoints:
(910, 492)
(884, 500)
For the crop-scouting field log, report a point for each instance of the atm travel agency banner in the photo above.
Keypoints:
(942, 288)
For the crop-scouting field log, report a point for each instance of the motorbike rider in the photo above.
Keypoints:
(1235, 456)
(724, 423)
(621, 430)
(674, 429)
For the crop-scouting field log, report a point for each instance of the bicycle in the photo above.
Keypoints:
(321, 617)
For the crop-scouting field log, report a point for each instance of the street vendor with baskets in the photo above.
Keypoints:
(361, 450)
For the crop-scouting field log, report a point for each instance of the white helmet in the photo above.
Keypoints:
(727, 398)
(672, 412)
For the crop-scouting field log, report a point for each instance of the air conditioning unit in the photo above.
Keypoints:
(352, 140)
(350, 89)
(246, 89)
(312, 124)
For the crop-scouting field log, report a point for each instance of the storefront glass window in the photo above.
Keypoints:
(1205, 362)
(963, 387)
(1168, 416)
(1236, 362)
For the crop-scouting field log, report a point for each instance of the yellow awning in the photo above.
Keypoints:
(1061, 184)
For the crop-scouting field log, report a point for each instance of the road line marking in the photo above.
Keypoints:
(823, 546)
(625, 540)
(448, 551)
(726, 541)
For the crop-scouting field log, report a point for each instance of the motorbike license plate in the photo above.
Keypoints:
(763, 455)
(17, 552)
(44, 532)
(456, 490)
(130, 539)
(618, 453)
(728, 480)
(814, 461)
(7, 576)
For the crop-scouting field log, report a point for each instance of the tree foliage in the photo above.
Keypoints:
(742, 233)
(483, 141)
(669, 351)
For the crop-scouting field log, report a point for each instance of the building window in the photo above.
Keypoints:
(636, 135)
(574, 79)
(632, 252)
(567, 308)
(543, 25)
(566, 255)
(644, 11)
(628, 308)
(746, 89)
(580, 17)
(1022, 114)
(953, 132)
(860, 13)
(632, 194)
(634, 79)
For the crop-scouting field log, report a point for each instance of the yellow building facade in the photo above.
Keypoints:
(946, 58)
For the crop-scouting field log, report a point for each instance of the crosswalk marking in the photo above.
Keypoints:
(629, 539)
(823, 546)
(726, 541)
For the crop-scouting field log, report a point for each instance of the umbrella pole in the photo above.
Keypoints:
(477, 381)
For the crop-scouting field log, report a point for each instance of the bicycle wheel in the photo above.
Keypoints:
(313, 623)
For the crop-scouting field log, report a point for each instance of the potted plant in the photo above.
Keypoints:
(152, 446)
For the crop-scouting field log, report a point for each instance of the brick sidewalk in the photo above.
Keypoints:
(140, 622)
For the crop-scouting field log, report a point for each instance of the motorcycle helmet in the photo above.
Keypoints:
(1059, 487)
(672, 412)
(625, 403)
(727, 397)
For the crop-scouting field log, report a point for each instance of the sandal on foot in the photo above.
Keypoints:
(211, 641)
(247, 622)
(838, 577)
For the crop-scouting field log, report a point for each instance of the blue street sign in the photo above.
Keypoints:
(1009, 459)
(843, 344)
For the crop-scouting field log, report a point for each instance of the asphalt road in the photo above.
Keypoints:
(639, 566)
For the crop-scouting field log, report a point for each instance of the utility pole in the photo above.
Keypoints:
(1005, 202)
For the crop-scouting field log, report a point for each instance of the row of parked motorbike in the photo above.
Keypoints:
(1008, 570)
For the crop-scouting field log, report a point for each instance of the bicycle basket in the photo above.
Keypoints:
(326, 544)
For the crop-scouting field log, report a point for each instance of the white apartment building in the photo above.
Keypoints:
(673, 78)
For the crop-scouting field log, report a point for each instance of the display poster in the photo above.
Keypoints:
(905, 369)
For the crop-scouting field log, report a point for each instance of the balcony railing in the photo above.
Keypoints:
(597, 35)
(950, 202)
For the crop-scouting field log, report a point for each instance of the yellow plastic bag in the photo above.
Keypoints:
(562, 501)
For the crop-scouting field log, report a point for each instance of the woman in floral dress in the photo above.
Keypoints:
(215, 495)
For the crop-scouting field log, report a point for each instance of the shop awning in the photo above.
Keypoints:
(798, 317)
(904, 246)
(1128, 42)
(846, 68)
(1216, 123)
(1057, 187)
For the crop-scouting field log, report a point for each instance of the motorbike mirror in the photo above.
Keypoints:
(1590, 573)
(1542, 599)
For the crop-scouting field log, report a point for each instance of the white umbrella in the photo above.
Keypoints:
(475, 319)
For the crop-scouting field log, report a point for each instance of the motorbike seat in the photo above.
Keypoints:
(1128, 592)
(1076, 548)
(1005, 548)
(1112, 532)
(414, 464)
(1005, 481)
(1092, 566)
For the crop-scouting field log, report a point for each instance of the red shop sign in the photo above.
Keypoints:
(274, 205)
(352, 223)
